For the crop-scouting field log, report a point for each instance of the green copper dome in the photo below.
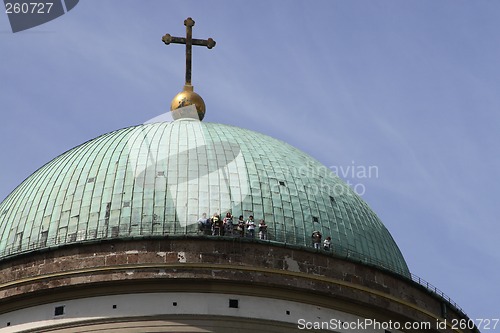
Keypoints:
(158, 179)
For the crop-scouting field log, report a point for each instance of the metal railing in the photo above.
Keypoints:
(282, 239)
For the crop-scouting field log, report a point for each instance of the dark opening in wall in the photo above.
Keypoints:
(287, 312)
(174, 303)
(59, 310)
(233, 303)
(114, 306)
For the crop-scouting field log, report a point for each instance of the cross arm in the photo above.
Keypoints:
(209, 43)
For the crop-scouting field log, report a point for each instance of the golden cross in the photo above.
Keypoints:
(189, 41)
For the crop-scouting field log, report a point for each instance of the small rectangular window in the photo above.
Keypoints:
(315, 219)
(59, 310)
(233, 303)
(91, 180)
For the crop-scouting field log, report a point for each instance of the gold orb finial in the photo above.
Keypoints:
(188, 97)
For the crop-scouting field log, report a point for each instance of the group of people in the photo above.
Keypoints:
(217, 226)
(316, 240)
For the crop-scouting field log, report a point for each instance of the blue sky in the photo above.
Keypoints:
(409, 87)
